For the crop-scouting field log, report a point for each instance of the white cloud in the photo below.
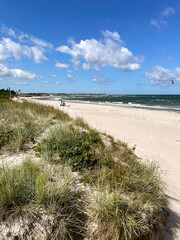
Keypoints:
(39, 42)
(61, 65)
(53, 75)
(9, 31)
(38, 54)
(168, 11)
(24, 37)
(64, 49)
(101, 80)
(162, 76)
(4, 53)
(113, 35)
(46, 82)
(130, 67)
(154, 22)
(86, 66)
(15, 73)
(70, 78)
(25, 45)
(57, 83)
(109, 51)
(17, 50)
(76, 62)
(159, 21)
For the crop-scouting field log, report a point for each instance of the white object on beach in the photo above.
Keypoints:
(62, 103)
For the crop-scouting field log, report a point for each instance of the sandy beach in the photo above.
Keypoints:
(155, 134)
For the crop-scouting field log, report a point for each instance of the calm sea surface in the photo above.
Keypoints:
(159, 102)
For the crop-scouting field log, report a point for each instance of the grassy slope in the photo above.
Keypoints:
(129, 201)
(25, 121)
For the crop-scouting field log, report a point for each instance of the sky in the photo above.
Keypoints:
(88, 46)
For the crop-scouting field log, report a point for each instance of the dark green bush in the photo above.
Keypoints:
(5, 137)
(77, 150)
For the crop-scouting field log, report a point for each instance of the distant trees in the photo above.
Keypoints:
(5, 94)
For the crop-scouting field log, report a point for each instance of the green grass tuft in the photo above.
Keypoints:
(29, 190)
(26, 120)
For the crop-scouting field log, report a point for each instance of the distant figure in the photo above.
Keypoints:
(62, 103)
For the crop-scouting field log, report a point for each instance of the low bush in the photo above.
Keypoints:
(5, 137)
(70, 145)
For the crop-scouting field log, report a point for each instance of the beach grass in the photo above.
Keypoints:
(25, 121)
(30, 191)
(126, 197)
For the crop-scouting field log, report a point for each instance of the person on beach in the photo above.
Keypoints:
(61, 102)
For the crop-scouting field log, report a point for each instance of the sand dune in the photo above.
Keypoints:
(156, 135)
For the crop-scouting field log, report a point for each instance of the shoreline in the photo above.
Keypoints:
(156, 135)
(116, 104)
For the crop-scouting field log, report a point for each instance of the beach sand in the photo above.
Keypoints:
(156, 135)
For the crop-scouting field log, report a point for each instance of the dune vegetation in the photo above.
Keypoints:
(82, 184)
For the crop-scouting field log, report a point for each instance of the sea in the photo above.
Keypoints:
(151, 102)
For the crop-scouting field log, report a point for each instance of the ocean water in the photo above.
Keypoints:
(158, 102)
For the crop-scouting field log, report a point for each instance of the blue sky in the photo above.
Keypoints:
(83, 46)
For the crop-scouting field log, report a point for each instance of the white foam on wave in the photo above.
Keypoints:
(120, 104)
(130, 104)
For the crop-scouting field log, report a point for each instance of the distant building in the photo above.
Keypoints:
(18, 92)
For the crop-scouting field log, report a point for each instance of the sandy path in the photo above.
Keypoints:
(156, 134)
